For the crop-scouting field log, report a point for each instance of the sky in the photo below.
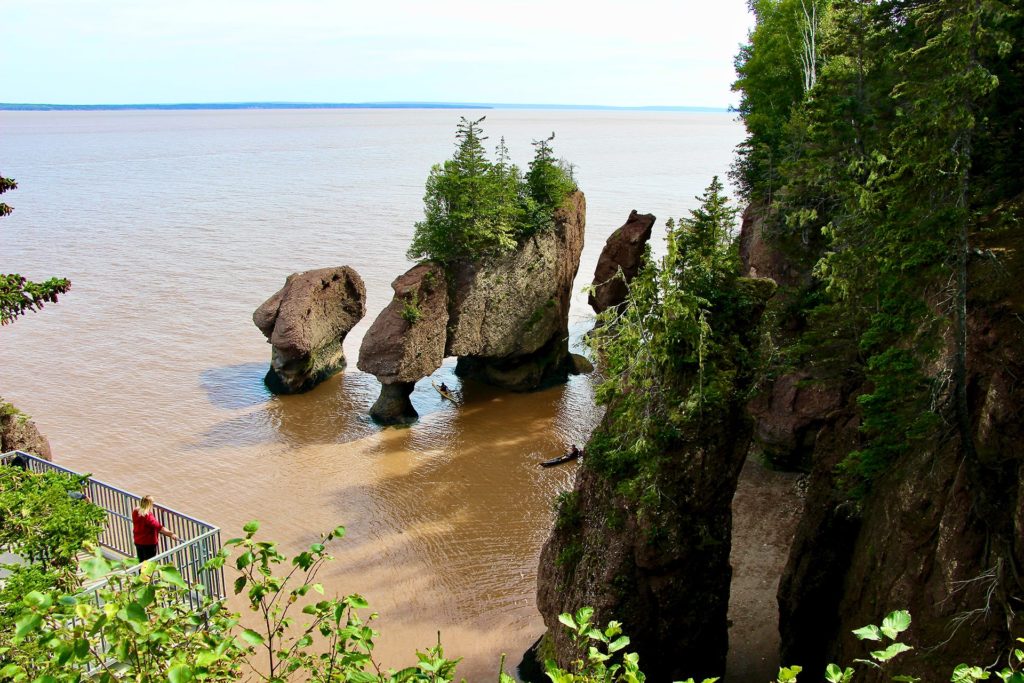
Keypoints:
(621, 53)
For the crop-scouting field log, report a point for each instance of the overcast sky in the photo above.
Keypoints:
(626, 52)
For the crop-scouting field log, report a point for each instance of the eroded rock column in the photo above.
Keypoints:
(406, 342)
(306, 322)
(510, 317)
(654, 554)
(620, 261)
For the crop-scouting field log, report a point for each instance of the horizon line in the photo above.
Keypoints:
(14, 106)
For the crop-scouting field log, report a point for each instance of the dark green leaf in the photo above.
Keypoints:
(135, 612)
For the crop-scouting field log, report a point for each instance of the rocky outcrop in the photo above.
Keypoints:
(506, 319)
(306, 323)
(762, 257)
(653, 551)
(19, 433)
(942, 531)
(791, 406)
(509, 322)
(620, 261)
(790, 411)
(406, 341)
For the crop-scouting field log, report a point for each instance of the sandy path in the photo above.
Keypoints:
(765, 509)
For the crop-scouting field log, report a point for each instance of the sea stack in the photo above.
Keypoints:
(306, 322)
(406, 341)
(620, 261)
(509, 322)
(506, 318)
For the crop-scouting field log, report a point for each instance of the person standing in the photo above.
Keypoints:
(146, 529)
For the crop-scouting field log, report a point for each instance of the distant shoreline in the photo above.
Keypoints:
(198, 106)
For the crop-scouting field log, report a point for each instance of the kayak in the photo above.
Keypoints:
(560, 459)
(446, 394)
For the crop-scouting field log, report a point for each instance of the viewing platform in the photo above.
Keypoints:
(198, 541)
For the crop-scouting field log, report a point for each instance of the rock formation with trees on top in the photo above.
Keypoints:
(499, 251)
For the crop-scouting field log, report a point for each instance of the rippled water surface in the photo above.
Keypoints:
(175, 226)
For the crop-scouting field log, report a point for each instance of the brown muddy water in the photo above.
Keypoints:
(175, 226)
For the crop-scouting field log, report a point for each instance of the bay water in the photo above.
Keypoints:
(173, 226)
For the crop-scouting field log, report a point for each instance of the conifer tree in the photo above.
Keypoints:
(477, 209)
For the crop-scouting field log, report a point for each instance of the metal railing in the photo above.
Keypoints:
(198, 540)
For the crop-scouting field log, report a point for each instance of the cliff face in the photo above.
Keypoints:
(506, 319)
(664, 575)
(306, 322)
(660, 563)
(19, 433)
(941, 531)
(793, 406)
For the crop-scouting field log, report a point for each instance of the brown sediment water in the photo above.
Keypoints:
(175, 226)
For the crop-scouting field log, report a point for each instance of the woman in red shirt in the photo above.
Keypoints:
(146, 529)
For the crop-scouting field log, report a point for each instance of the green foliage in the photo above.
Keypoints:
(6, 185)
(570, 555)
(549, 181)
(474, 208)
(880, 172)
(43, 525)
(145, 631)
(411, 312)
(8, 409)
(676, 352)
(137, 627)
(888, 634)
(601, 654)
(41, 522)
(771, 82)
(19, 295)
(22, 580)
(567, 511)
